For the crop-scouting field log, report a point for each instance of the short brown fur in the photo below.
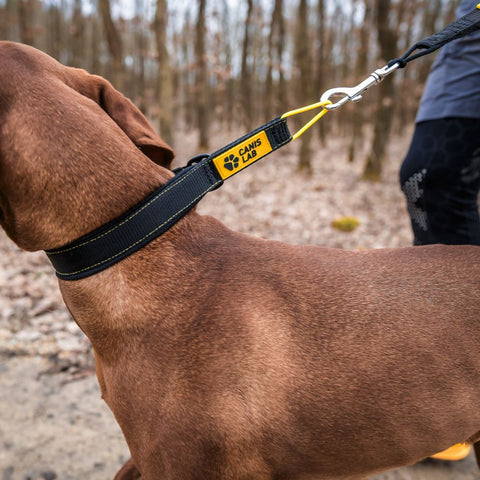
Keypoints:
(224, 356)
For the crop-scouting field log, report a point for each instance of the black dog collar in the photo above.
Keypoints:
(119, 238)
(123, 236)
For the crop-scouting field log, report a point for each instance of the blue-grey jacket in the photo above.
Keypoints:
(453, 85)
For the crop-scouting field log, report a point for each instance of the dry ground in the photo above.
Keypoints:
(53, 423)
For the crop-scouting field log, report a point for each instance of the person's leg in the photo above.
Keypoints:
(440, 178)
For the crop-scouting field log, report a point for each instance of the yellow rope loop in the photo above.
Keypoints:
(315, 119)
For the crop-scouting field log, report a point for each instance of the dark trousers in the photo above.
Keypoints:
(440, 178)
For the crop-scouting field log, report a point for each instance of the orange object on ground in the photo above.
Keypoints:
(452, 454)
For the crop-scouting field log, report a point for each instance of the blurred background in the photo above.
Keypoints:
(209, 65)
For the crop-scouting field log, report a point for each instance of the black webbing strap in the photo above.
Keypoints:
(119, 238)
(459, 28)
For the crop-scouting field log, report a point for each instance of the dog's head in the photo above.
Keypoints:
(24, 66)
(62, 128)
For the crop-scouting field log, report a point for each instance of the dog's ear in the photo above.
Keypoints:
(125, 114)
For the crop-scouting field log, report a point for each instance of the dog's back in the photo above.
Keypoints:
(271, 358)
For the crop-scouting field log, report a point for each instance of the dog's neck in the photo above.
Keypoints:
(114, 308)
(64, 204)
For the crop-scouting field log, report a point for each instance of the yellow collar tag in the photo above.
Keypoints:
(242, 155)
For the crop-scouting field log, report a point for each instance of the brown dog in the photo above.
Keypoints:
(224, 356)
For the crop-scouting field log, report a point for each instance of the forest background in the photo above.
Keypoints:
(220, 65)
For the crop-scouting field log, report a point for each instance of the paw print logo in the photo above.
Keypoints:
(231, 162)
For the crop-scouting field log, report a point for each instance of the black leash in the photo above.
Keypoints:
(119, 238)
(469, 23)
(123, 236)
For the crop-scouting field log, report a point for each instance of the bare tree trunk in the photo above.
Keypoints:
(275, 91)
(26, 21)
(407, 106)
(202, 78)
(257, 62)
(94, 47)
(303, 59)
(360, 70)
(430, 19)
(165, 76)
(321, 71)
(9, 21)
(141, 49)
(280, 49)
(246, 72)
(54, 32)
(187, 78)
(449, 16)
(387, 42)
(77, 30)
(229, 89)
(114, 42)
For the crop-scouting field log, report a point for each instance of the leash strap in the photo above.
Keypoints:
(123, 236)
(461, 27)
(469, 23)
